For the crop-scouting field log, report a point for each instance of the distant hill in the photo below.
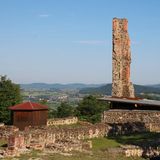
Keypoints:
(155, 85)
(88, 88)
(45, 86)
(106, 89)
(146, 89)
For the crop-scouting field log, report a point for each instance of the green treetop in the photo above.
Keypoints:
(90, 109)
(9, 96)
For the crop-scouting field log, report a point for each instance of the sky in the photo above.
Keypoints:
(70, 41)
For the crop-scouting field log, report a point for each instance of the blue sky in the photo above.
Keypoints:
(65, 41)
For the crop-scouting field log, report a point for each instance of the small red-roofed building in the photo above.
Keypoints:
(29, 114)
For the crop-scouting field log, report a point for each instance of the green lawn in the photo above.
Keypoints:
(104, 143)
(147, 138)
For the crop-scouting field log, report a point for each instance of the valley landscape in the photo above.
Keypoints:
(75, 92)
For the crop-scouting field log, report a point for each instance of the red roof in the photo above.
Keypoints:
(28, 106)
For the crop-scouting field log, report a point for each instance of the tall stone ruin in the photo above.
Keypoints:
(121, 60)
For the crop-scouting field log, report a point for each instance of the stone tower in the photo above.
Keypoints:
(121, 60)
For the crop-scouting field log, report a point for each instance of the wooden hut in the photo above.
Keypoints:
(29, 114)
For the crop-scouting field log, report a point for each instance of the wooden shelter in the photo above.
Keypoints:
(131, 103)
(29, 114)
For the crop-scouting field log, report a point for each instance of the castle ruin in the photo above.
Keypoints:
(121, 60)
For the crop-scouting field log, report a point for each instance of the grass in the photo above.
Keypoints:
(34, 154)
(99, 155)
(140, 139)
(133, 139)
(104, 143)
(3, 143)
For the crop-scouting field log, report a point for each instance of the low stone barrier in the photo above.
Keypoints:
(52, 134)
(136, 120)
(136, 151)
(132, 151)
(62, 121)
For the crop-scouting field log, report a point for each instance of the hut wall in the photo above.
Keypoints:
(40, 117)
(22, 119)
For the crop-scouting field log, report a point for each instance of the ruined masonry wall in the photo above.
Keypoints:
(55, 137)
(62, 121)
(121, 60)
(52, 134)
(148, 120)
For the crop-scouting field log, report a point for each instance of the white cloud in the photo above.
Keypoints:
(91, 42)
(44, 15)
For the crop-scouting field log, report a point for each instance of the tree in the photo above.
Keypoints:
(65, 110)
(9, 96)
(52, 113)
(90, 109)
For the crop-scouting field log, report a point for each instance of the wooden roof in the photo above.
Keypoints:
(28, 106)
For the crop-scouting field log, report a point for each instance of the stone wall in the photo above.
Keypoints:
(15, 141)
(5, 131)
(62, 121)
(52, 134)
(121, 59)
(136, 151)
(127, 121)
(55, 139)
(132, 151)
